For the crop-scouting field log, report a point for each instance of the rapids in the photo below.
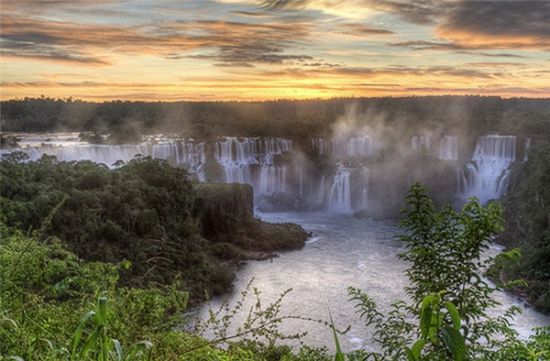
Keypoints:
(343, 252)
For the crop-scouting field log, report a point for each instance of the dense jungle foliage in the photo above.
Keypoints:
(145, 212)
(126, 120)
(527, 212)
(56, 306)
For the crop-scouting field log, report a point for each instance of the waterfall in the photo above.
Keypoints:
(99, 153)
(364, 187)
(526, 147)
(339, 195)
(242, 158)
(321, 193)
(360, 146)
(301, 180)
(448, 148)
(420, 141)
(486, 177)
(281, 181)
(320, 146)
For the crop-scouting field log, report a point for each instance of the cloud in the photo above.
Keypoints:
(285, 4)
(493, 55)
(222, 41)
(487, 90)
(358, 29)
(80, 84)
(246, 44)
(427, 45)
(417, 12)
(41, 7)
(371, 72)
(498, 25)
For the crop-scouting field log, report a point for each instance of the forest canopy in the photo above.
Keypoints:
(127, 120)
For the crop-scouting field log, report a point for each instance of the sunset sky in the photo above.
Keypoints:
(257, 49)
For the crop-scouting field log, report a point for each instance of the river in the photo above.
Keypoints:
(342, 252)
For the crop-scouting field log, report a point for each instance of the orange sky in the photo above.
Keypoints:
(270, 49)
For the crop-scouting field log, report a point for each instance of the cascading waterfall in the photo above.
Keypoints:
(352, 147)
(420, 141)
(348, 192)
(486, 177)
(99, 153)
(243, 160)
(239, 157)
(186, 153)
(526, 147)
(448, 148)
(364, 177)
(320, 146)
(339, 195)
(253, 160)
(361, 146)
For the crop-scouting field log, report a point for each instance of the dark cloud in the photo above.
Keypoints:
(225, 42)
(378, 71)
(358, 29)
(284, 4)
(498, 24)
(492, 64)
(493, 55)
(511, 91)
(418, 11)
(30, 50)
(246, 56)
(252, 14)
(427, 45)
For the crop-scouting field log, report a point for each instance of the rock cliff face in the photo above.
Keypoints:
(227, 216)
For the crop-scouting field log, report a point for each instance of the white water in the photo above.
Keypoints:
(526, 147)
(252, 160)
(240, 156)
(343, 252)
(448, 148)
(486, 177)
(243, 160)
(341, 147)
(339, 195)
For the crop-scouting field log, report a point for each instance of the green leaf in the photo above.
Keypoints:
(78, 333)
(410, 355)
(453, 312)
(426, 316)
(101, 316)
(90, 342)
(339, 356)
(417, 348)
(454, 342)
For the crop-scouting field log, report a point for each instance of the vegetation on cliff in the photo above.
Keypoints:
(145, 212)
(527, 213)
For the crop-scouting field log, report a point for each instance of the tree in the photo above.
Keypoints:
(449, 296)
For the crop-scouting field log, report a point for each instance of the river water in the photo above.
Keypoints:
(342, 252)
